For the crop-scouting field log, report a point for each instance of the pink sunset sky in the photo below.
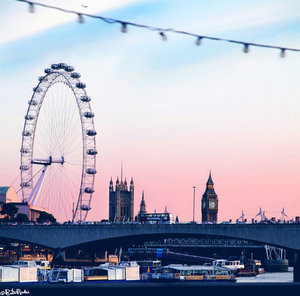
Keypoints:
(171, 111)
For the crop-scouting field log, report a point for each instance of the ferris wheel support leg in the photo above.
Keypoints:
(36, 190)
(297, 267)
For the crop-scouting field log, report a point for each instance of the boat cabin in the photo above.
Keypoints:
(194, 272)
(230, 264)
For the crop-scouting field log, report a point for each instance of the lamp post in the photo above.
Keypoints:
(194, 187)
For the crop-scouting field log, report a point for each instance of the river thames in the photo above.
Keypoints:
(277, 283)
(270, 277)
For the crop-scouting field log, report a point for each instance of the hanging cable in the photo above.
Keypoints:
(32, 178)
(162, 31)
(14, 180)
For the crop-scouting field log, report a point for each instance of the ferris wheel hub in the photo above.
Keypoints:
(48, 161)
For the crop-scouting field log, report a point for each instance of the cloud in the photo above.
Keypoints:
(246, 17)
(21, 24)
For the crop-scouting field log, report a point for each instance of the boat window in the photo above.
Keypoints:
(63, 275)
(101, 272)
(54, 274)
(199, 272)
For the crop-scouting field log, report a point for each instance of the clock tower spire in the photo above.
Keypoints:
(209, 204)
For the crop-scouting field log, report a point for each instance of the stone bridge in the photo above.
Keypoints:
(65, 236)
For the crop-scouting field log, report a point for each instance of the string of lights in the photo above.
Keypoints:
(161, 31)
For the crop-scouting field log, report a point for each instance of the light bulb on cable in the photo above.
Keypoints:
(282, 52)
(246, 48)
(198, 41)
(31, 7)
(124, 28)
(80, 18)
(163, 36)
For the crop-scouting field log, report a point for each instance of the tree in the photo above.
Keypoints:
(45, 217)
(21, 218)
(8, 210)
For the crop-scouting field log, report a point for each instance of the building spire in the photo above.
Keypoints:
(143, 205)
(210, 181)
(121, 171)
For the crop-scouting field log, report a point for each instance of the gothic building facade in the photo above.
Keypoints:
(121, 201)
(209, 204)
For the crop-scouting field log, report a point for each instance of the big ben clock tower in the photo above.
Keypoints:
(209, 205)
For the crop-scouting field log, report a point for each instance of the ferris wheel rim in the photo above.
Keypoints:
(88, 139)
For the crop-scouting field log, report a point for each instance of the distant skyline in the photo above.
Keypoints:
(170, 111)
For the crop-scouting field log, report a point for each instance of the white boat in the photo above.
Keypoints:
(65, 275)
(178, 272)
(230, 264)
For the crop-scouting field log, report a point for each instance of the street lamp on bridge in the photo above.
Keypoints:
(194, 187)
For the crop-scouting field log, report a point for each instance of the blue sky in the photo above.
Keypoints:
(170, 110)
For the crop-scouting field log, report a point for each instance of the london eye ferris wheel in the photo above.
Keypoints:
(58, 151)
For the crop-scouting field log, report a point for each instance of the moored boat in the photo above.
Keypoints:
(201, 273)
(230, 264)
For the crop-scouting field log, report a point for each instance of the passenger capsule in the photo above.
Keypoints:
(24, 150)
(24, 167)
(25, 184)
(41, 78)
(80, 85)
(88, 114)
(75, 75)
(85, 98)
(62, 65)
(32, 102)
(85, 207)
(48, 71)
(91, 171)
(29, 117)
(26, 133)
(89, 190)
(91, 151)
(69, 68)
(91, 132)
(54, 66)
(37, 89)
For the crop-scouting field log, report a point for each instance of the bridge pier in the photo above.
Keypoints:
(297, 267)
(59, 256)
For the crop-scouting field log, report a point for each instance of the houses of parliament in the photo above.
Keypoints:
(121, 201)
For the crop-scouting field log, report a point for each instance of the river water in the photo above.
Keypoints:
(270, 277)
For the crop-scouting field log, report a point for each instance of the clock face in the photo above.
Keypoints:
(212, 204)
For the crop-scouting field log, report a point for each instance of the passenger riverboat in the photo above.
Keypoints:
(201, 273)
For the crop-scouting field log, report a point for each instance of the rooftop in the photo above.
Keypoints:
(4, 189)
